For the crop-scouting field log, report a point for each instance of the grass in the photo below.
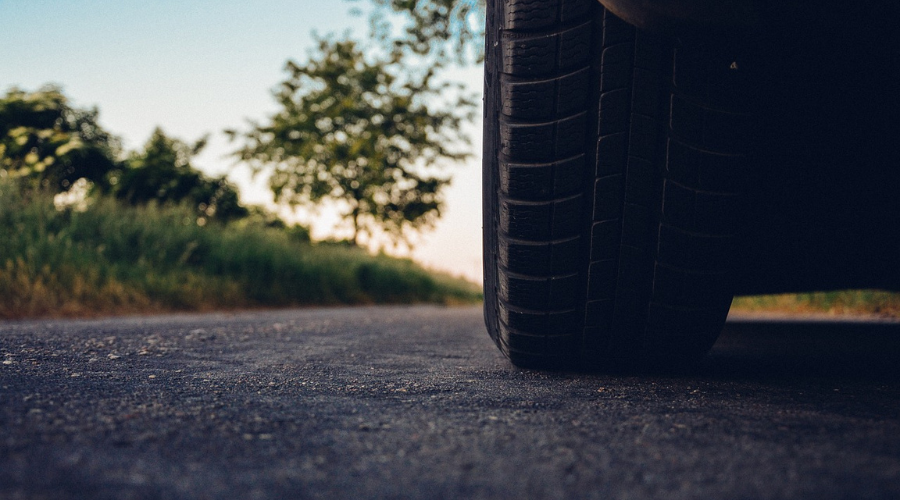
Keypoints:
(115, 259)
(845, 302)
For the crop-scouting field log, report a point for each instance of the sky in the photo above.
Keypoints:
(195, 67)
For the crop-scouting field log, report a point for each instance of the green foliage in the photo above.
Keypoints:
(261, 217)
(356, 130)
(839, 302)
(446, 30)
(163, 173)
(45, 142)
(113, 259)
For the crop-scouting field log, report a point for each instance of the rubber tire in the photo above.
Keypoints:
(613, 169)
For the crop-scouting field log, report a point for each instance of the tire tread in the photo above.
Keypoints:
(615, 201)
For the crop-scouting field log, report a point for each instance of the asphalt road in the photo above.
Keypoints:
(415, 402)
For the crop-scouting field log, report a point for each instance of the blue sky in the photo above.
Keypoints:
(201, 66)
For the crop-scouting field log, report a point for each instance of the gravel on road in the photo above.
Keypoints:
(415, 402)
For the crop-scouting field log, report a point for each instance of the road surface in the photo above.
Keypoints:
(415, 402)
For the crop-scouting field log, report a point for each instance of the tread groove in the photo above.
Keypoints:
(610, 191)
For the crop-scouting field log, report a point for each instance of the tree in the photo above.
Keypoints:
(45, 142)
(447, 30)
(350, 129)
(163, 173)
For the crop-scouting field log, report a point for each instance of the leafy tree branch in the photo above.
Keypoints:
(357, 130)
(445, 30)
(46, 143)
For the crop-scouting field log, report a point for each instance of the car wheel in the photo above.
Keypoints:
(613, 169)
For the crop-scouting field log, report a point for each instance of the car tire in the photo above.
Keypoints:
(613, 169)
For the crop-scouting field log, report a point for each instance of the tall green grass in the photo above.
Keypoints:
(113, 259)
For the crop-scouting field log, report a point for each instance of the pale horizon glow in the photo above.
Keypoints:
(202, 67)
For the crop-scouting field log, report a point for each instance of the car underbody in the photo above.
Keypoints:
(681, 15)
(824, 208)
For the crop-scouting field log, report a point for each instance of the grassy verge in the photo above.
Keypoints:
(846, 302)
(113, 259)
